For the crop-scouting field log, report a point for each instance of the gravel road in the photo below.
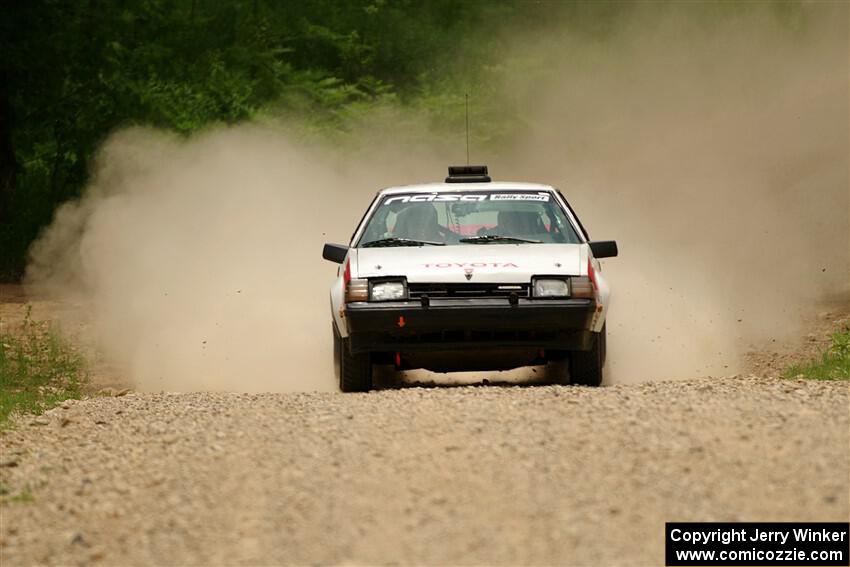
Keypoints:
(466, 475)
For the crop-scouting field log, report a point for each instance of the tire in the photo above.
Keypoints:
(354, 371)
(586, 365)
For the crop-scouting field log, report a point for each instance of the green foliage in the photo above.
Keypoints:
(25, 495)
(834, 363)
(38, 370)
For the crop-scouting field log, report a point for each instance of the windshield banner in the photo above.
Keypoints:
(475, 197)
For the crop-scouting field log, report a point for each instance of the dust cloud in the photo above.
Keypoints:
(717, 155)
(200, 261)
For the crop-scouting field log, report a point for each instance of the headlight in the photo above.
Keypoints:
(551, 287)
(388, 291)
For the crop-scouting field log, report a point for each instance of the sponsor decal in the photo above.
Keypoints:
(518, 197)
(444, 198)
(471, 265)
(434, 198)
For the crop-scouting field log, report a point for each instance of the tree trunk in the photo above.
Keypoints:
(8, 163)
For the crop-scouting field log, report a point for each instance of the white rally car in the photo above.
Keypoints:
(469, 274)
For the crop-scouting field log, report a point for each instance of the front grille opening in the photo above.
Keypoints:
(464, 290)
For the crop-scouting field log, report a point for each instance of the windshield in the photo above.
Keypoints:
(471, 217)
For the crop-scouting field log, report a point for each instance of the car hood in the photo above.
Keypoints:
(486, 263)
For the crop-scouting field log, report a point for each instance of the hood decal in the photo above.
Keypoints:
(468, 265)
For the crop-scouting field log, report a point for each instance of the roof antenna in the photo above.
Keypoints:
(467, 128)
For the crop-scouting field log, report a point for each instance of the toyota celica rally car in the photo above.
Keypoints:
(469, 274)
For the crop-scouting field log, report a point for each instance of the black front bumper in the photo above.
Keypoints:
(449, 324)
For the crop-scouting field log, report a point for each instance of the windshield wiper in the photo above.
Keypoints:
(400, 242)
(497, 238)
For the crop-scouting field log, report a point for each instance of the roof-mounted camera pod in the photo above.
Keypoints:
(468, 174)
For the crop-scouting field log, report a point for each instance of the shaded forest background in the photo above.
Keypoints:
(73, 71)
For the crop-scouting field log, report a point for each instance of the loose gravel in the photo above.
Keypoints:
(467, 475)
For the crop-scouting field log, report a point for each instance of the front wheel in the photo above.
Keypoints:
(354, 371)
(586, 365)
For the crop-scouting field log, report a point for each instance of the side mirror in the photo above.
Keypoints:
(335, 253)
(603, 249)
